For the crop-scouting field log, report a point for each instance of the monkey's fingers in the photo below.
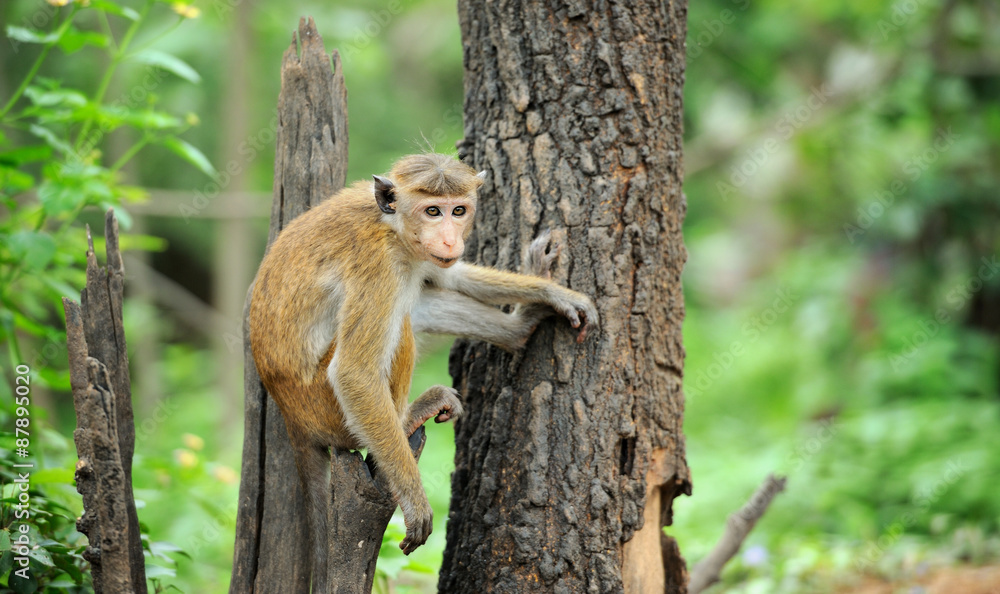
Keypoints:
(589, 321)
(573, 315)
(540, 244)
(554, 250)
(541, 254)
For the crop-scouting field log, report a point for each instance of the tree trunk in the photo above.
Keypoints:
(570, 455)
(272, 539)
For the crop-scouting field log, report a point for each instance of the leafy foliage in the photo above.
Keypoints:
(48, 556)
(53, 167)
(843, 287)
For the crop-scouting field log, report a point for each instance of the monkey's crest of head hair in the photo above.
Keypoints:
(434, 174)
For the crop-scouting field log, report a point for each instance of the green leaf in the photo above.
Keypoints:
(34, 248)
(26, 154)
(97, 190)
(132, 194)
(58, 198)
(115, 9)
(45, 98)
(26, 324)
(418, 567)
(59, 476)
(7, 558)
(142, 243)
(148, 119)
(73, 40)
(29, 36)
(4, 543)
(160, 549)
(42, 556)
(157, 571)
(14, 181)
(61, 287)
(190, 154)
(169, 63)
(49, 136)
(65, 563)
(21, 585)
(52, 378)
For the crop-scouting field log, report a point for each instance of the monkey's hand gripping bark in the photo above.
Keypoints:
(442, 404)
(576, 307)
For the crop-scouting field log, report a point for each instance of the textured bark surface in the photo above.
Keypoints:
(272, 539)
(574, 109)
(105, 434)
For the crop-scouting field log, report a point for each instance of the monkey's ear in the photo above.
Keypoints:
(385, 194)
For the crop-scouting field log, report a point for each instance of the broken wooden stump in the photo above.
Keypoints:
(105, 434)
(272, 538)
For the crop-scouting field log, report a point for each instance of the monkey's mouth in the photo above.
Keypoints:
(444, 260)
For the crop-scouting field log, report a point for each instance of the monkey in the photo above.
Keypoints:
(335, 305)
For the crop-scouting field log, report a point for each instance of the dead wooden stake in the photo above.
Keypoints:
(105, 434)
(272, 539)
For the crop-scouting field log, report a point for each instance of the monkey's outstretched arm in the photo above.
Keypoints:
(359, 374)
(440, 311)
(488, 285)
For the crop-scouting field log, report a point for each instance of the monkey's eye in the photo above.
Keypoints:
(433, 211)
(459, 211)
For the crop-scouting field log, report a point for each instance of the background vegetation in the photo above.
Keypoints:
(843, 288)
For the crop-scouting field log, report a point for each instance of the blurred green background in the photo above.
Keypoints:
(843, 288)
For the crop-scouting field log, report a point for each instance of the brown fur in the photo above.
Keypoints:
(288, 292)
(435, 175)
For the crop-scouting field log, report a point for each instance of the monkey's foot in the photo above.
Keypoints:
(541, 254)
(440, 402)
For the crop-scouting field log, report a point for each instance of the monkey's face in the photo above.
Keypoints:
(441, 224)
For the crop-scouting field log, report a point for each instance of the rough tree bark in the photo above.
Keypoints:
(105, 434)
(569, 456)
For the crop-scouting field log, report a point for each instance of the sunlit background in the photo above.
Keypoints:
(843, 288)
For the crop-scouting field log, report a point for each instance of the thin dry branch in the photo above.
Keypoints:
(738, 526)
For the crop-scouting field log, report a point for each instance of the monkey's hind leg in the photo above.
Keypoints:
(437, 401)
(313, 461)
